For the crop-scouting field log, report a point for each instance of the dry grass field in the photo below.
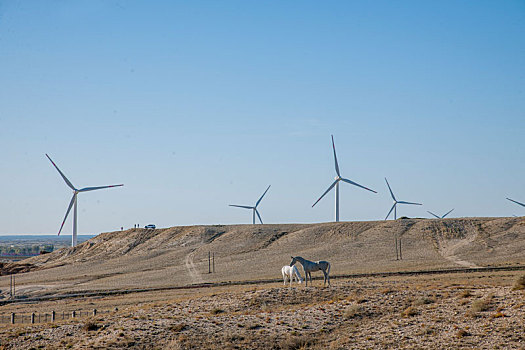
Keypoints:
(466, 310)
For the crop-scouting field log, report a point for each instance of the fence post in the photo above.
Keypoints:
(32, 318)
(53, 316)
(209, 263)
(94, 312)
(12, 318)
(397, 254)
(400, 254)
(213, 260)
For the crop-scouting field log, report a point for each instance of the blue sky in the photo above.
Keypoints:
(197, 105)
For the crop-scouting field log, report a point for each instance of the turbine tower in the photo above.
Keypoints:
(338, 178)
(74, 202)
(512, 200)
(439, 217)
(396, 202)
(254, 208)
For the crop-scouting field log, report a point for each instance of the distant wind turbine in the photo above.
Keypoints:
(439, 217)
(396, 202)
(338, 178)
(254, 208)
(512, 200)
(74, 202)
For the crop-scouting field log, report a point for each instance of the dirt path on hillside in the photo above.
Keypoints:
(192, 270)
(449, 252)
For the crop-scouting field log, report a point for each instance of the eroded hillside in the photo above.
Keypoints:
(179, 255)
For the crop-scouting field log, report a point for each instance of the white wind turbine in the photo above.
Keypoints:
(254, 208)
(440, 217)
(74, 201)
(338, 178)
(396, 202)
(512, 200)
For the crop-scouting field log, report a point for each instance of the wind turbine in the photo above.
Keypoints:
(74, 201)
(254, 208)
(396, 202)
(439, 217)
(338, 178)
(512, 200)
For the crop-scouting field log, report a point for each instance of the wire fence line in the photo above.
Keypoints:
(34, 317)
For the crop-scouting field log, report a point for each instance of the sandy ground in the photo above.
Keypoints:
(460, 311)
(471, 310)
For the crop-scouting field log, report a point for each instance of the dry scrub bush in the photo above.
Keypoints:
(520, 283)
(216, 311)
(178, 327)
(480, 305)
(423, 301)
(353, 311)
(295, 343)
(465, 294)
(462, 333)
(410, 311)
(90, 326)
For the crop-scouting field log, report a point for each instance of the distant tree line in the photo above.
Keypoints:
(25, 250)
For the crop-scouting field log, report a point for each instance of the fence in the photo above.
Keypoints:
(45, 317)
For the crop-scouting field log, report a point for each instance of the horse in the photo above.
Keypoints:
(309, 266)
(290, 272)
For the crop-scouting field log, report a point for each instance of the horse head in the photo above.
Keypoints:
(293, 261)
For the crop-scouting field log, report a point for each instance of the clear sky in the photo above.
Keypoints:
(195, 105)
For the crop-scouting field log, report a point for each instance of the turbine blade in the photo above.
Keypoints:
(259, 201)
(335, 158)
(241, 206)
(512, 200)
(387, 215)
(67, 212)
(85, 189)
(257, 212)
(325, 192)
(447, 214)
(358, 185)
(403, 202)
(434, 214)
(61, 174)
(391, 193)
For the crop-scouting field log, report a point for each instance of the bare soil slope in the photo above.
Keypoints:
(139, 258)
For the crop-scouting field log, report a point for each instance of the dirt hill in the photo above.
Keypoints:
(139, 258)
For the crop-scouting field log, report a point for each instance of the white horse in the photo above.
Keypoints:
(290, 272)
(309, 266)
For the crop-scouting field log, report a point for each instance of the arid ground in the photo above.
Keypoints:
(470, 309)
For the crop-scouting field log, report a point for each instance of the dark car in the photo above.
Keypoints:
(150, 226)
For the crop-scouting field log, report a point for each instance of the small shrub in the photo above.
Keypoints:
(217, 311)
(295, 343)
(520, 283)
(481, 304)
(178, 327)
(462, 333)
(410, 311)
(465, 294)
(90, 326)
(423, 301)
(498, 315)
(353, 311)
